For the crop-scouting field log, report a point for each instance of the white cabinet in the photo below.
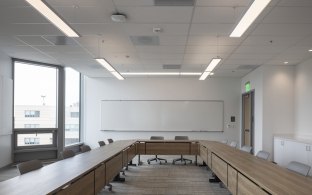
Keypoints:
(279, 157)
(286, 150)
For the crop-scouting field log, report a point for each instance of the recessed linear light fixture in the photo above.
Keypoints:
(310, 50)
(106, 65)
(47, 12)
(250, 16)
(214, 62)
(161, 73)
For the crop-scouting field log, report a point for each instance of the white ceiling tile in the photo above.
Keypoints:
(289, 15)
(161, 14)
(99, 29)
(293, 3)
(147, 29)
(271, 40)
(210, 49)
(226, 3)
(161, 49)
(260, 50)
(283, 29)
(30, 29)
(33, 40)
(160, 56)
(133, 3)
(217, 14)
(172, 40)
(213, 40)
(211, 29)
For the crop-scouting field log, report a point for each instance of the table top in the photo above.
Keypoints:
(52, 177)
(269, 176)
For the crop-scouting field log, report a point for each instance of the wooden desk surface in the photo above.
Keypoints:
(167, 141)
(269, 176)
(52, 177)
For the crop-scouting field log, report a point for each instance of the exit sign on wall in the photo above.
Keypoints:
(247, 87)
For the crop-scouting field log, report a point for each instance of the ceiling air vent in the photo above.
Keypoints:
(145, 40)
(174, 2)
(172, 66)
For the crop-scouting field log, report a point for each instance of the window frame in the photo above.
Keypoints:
(80, 141)
(56, 131)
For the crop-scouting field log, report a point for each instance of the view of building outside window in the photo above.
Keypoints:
(72, 105)
(35, 103)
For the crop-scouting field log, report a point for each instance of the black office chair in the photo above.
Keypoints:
(67, 154)
(110, 141)
(101, 143)
(85, 148)
(28, 166)
(156, 158)
(181, 158)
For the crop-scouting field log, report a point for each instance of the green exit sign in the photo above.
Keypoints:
(247, 87)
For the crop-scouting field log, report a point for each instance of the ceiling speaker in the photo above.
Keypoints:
(118, 17)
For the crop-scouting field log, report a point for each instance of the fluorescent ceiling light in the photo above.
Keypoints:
(106, 65)
(214, 62)
(117, 75)
(310, 50)
(161, 73)
(250, 16)
(204, 76)
(47, 12)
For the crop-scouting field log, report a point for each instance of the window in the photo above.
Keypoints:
(31, 125)
(35, 95)
(33, 139)
(32, 113)
(74, 114)
(72, 106)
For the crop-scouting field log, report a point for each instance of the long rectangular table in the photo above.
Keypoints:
(76, 175)
(89, 172)
(243, 173)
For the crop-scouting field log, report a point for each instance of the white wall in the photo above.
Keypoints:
(97, 89)
(278, 103)
(274, 103)
(5, 140)
(303, 99)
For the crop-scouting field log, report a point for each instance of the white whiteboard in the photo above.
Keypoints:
(162, 115)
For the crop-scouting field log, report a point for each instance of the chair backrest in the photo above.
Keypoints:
(157, 138)
(67, 154)
(110, 141)
(181, 138)
(233, 144)
(246, 148)
(263, 154)
(224, 141)
(298, 167)
(85, 148)
(101, 143)
(28, 166)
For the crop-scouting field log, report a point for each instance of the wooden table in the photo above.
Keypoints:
(167, 147)
(243, 173)
(51, 178)
(89, 172)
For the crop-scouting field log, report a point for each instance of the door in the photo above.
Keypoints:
(248, 116)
